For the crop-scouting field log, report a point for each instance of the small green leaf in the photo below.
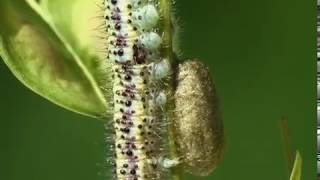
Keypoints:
(41, 58)
(297, 167)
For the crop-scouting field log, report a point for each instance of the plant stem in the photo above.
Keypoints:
(167, 53)
(286, 144)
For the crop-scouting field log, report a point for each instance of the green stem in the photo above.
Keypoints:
(167, 53)
(167, 36)
(286, 144)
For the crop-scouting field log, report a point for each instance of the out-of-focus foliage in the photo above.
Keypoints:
(45, 53)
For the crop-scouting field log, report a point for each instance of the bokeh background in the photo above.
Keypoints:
(262, 55)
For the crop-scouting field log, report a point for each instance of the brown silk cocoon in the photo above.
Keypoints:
(198, 123)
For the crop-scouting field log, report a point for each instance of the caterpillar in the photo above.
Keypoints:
(142, 57)
(133, 44)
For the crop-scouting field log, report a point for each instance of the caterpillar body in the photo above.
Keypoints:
(133, 49)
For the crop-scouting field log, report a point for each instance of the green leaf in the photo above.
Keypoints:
(41, 58)
(81, 24)
(297, 168)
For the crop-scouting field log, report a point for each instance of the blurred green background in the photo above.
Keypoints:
(263, 58)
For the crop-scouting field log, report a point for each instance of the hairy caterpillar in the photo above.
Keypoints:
(198, 123)
(134, 45)
(133, 49)
(141, 55)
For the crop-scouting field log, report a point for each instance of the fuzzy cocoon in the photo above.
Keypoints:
(198, 122)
